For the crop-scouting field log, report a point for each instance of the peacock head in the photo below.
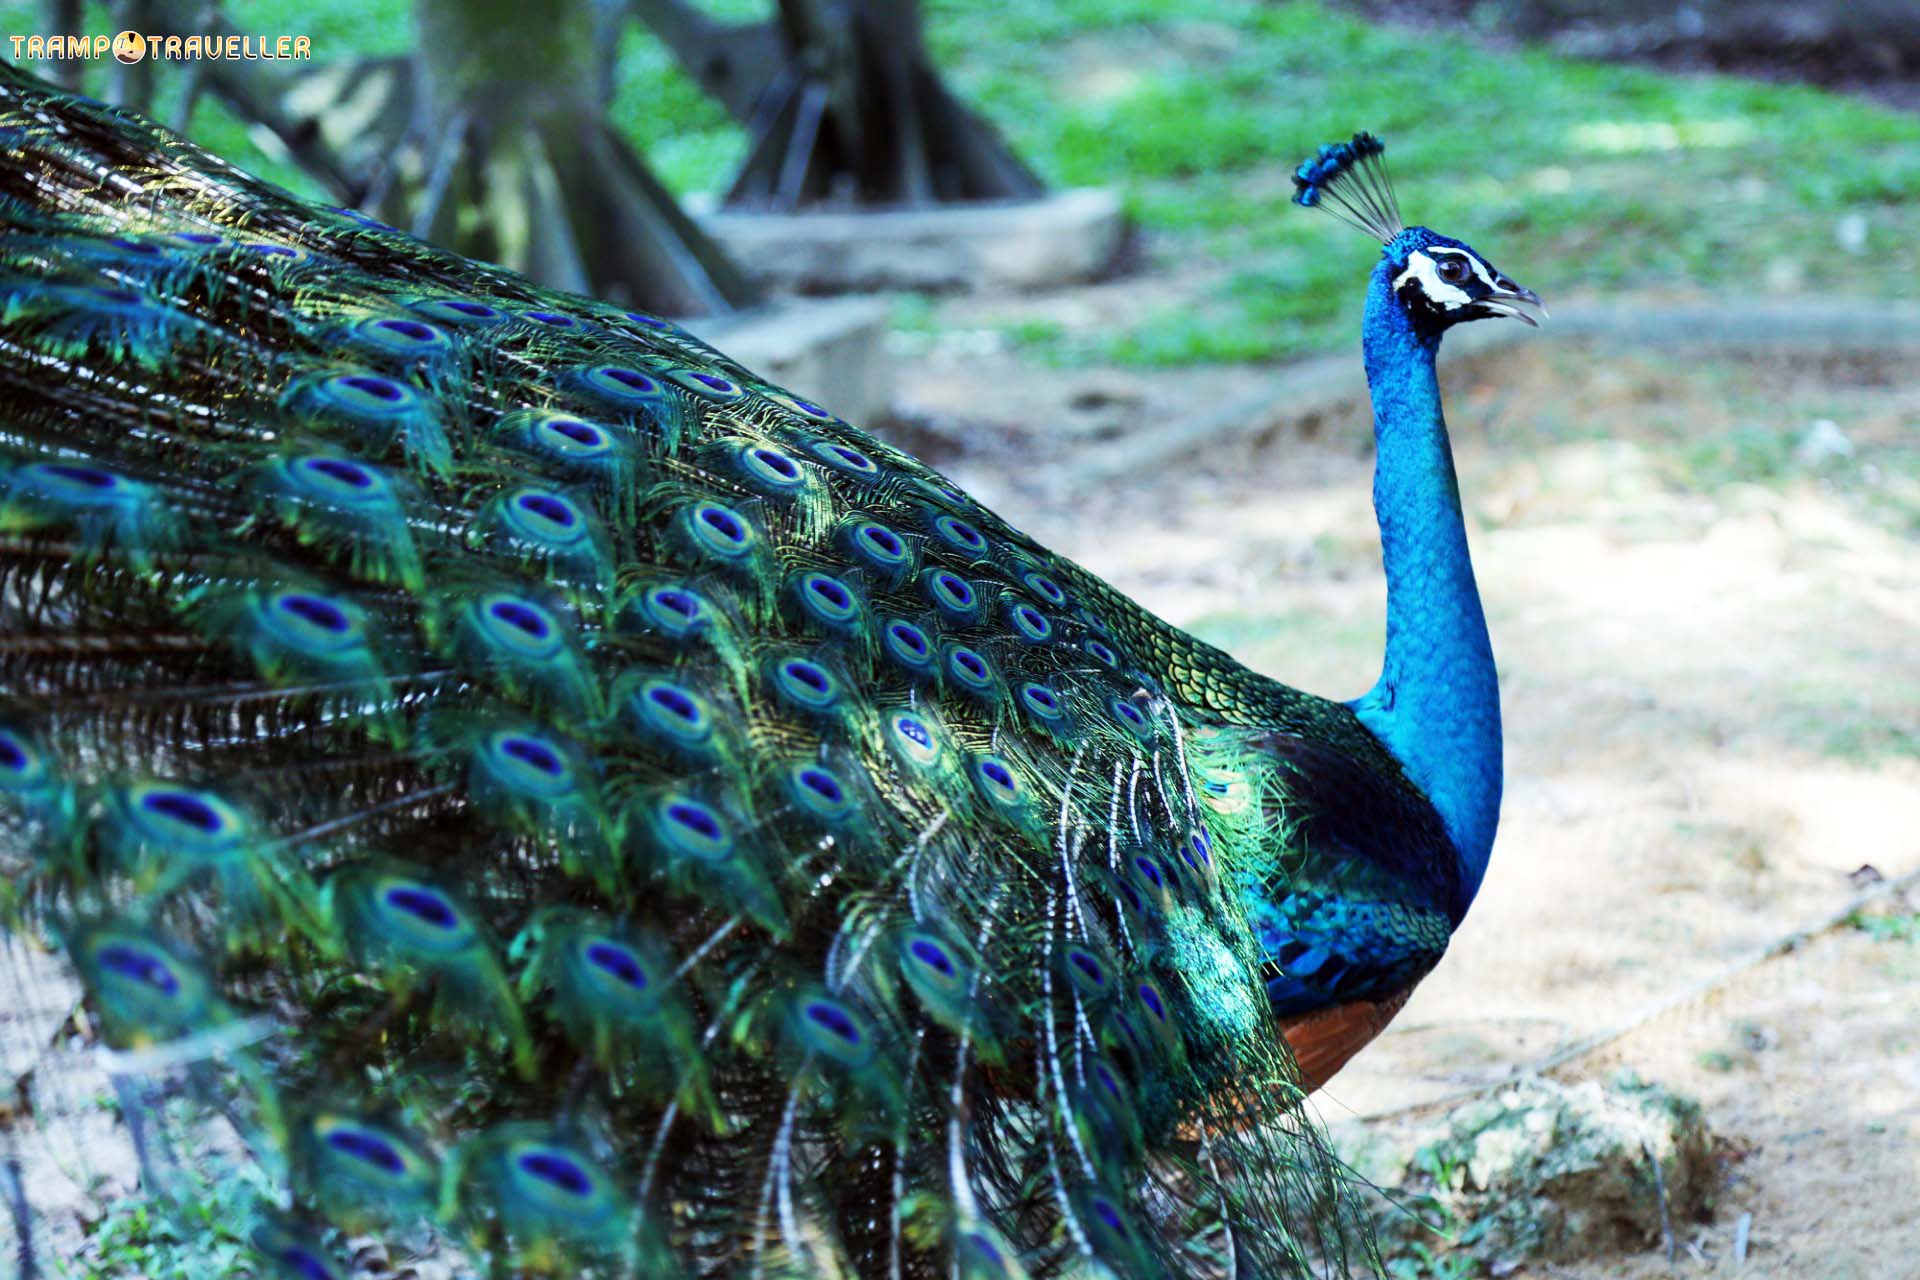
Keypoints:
(1436, 280)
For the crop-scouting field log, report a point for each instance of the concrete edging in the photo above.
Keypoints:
(1325, 385)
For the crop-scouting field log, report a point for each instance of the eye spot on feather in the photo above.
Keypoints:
(13, 753)
(1043, 702)
(523, 765)
(556, 1170)
(805, 408)
(576, 431)
(692, 827)
(951, 594)
(819, 792)
(771, 468)
(707, 386)
(835, 1021)
(624, 388)
(200, 238)
(808, 685)
(844, 457)
(284, 252)
(678, 611)
(1131, 718)
(138, 964)
(411, 331)
(969, 669)
(828, 600)
(548, 507)
(879, 544)
(458, 311)
(423, 905)
(1029, 623)
(411, 339)
(312, 623)
(551, 319)
(674, 712)
(366, 220)
(932, 955)
(367, 1148)
(74, 476)
(141, 247)
(1150, 870)
(646, 321)
(570, 439)
(188, 810)
(339, 471)
(618, 963)
(1046, 588)
(676, 702)
(534, 754)
(944, 492)
(960, 535)
(721, 531)
(822, 784)
(1198, 850)
(836, 1031)
(1102, 652)
(531, 622)
(996, 779)
(1109, 1216)
(366, 396)
(1086, 971)
(907, 645)
(914, 740)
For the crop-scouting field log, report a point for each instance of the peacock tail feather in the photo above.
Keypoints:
(539, 783)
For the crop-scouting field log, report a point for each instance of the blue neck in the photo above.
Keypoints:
(1437, 703)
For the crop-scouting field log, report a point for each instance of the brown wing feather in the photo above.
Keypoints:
(1323, 1041)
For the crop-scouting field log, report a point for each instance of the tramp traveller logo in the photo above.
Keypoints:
(130, 47)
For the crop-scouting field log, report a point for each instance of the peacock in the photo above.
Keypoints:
(515, 782)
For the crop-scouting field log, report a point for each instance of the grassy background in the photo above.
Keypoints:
(1578, 178)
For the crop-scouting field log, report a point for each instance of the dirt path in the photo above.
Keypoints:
(1706, 610)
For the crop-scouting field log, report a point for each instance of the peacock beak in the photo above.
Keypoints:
(1510, 299)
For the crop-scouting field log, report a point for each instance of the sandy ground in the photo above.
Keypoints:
(1711, 674)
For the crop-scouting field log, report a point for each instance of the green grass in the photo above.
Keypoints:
(201, 1232)
(1575, 177)
(1890, 927)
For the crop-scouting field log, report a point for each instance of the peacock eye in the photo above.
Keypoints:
(1453, 270)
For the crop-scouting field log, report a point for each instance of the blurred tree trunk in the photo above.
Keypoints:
(843, 105)
(512, 160)
(491, 140)
(859, 113)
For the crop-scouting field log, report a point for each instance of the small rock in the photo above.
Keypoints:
(1544, 1172)
(1786, 275)
(1824, 440)
(1850, 233)
(1106, 390)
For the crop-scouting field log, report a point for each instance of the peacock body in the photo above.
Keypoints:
(521, 775)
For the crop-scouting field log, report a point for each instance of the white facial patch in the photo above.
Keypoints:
(1422, 268)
